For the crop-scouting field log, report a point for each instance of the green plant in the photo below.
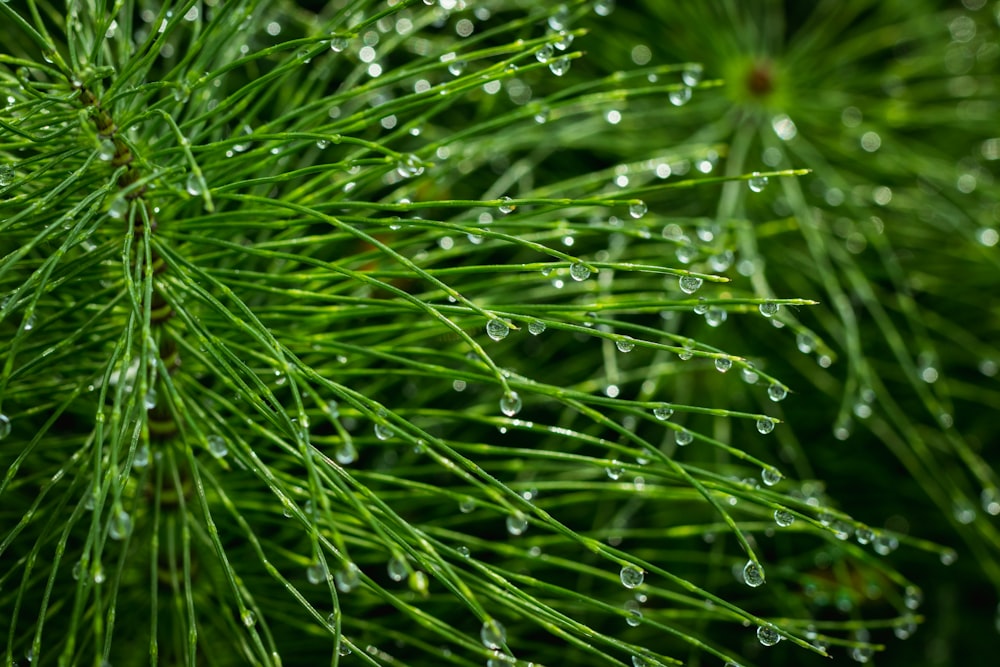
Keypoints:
(331, 335)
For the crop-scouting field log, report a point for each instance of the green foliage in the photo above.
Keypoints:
(362, 331)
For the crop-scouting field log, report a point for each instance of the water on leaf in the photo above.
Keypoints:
(409, 166)
(683, 437)
(625, 345)
(604, 7)
(680, 97)
(614, 471)
(507, 207)
(777, 392)
(912, 597)
(348, 578)
(723, 364)
(517, 523)
(497, 329)
(536, 327)
(769, 309)
(765, 425)
(783, 518)
(217, 446)
(121, 525)
(510, 404)
(317, 573)
(631, 576)
(559, 66)
(715, 317)
(692, 74)
(770, 476)
(4, 426)
(579, 271)
(634, 610)
(757, 183)
(193, 185)
(493, 634)
(6, 175)
(663, 412)
(637, 209)
(338, 43)
(689, 284)
(396, 569)
(753, 574)
(106, 150)
(346, 454)
(767, 636)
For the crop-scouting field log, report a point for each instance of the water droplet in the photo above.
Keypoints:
(396, 568)
(723, 364)
(770, 476)
(493, 634)
(749, 375)
(757, 183)
(663, 412)
(685, 354)
(536, 327)
(625, 345)
(767, 636)
(141, 458)
(579, 271)
(467, 504)
(634, 617)
(456, 67)
(217, 446)
(559, 66)
(507, 207)
(715, 317)
(690, 284)
(510, 404)
(680, 97)
(604, 7)
(777, 392)
(248, 617)
(912, 597)
(106, 150)
(4, 426)
(117, 208)
(121, 525)
(753, 574)
(317, 573)
(805, 342)
(409, 166)
(560, 19)
(949, 556)
(382, 430)
(990, 497)
(614, 471)
(702, 306)
(765, 425)
(99, 576)
(6, 175)
(683, 437)
(769, 309)
(497, 329)
(348, 578)
(193, 185)
(905, 629)
(543, 54)
(517, 523)
(864, 535)
(692, 74)
(338, 43)
(346, 454)
(783, 518)
(463, 551)
(332, 409)
(637, 209)
(631, 576)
